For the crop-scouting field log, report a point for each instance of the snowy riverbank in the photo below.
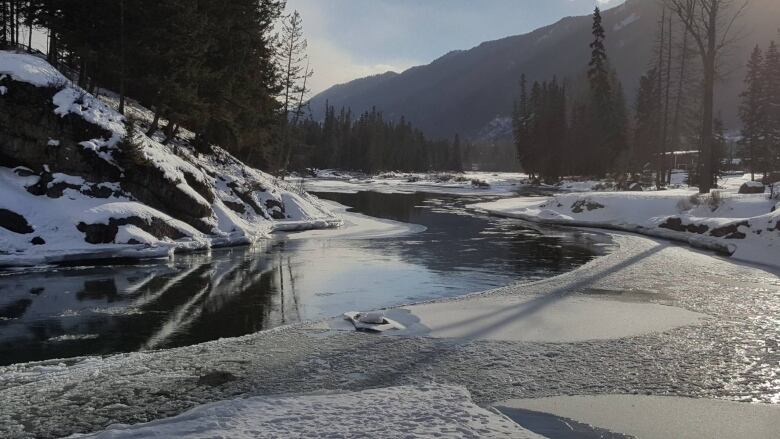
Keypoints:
(466, 183)
(746, 227)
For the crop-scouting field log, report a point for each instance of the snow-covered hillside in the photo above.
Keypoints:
(77, 181)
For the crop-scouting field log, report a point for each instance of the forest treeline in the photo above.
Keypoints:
(760, 111)
(370, 143)
(205, 65)
(583, 127)
(234, 73)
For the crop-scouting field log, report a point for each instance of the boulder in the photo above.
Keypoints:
(752, 187)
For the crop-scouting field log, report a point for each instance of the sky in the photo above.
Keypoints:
(349, 39)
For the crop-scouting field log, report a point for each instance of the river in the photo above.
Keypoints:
(59, 312)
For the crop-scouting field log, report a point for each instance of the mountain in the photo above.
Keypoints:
(471, 92)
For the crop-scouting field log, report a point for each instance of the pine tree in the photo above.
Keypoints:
(753, 111)
(770, 78)
(647, 113)
(520, 121)
(606, 110)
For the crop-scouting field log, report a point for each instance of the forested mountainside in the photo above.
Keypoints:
(79, 180)
(472, 92)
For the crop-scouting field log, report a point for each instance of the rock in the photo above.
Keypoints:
(149, 185)
(752, 187)
(677, 225)
(37, 241)
(106, 233)
(14, 222)
(581, 205)
(275, 208)
(28, 123)
(374, 318)
(730, 231)
(634, 187)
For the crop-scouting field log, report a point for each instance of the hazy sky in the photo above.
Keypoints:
(349, 39)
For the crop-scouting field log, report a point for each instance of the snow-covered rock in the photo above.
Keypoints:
(78, 181)
(752, 187)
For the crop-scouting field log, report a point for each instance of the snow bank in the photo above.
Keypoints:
(744, 226)
(466, 183)
(410, 412)
(30, 69)
(163, 197)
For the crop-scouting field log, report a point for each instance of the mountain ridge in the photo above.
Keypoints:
(465, 91)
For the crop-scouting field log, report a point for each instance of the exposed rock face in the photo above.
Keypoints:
(149, 185)
(106, 233)
(32, 135)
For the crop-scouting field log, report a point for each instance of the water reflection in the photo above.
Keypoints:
(72, 311)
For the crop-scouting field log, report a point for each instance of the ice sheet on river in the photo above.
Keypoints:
(660, 417)
(409, 412)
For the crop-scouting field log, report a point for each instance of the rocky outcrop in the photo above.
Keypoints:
(33, 136)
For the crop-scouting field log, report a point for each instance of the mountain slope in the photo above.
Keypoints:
(464, 91)
(79, 181)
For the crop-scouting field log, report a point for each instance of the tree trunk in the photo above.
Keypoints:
(122, 43)
(665, 135)
(661, 158)
(153, 127)
(706, 170)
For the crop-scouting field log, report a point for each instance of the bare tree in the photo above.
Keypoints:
(710, 23)
(294, 66)
(293, 61)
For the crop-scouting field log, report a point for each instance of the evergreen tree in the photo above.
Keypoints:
(606, 111)
(770, 78)
(754, 112)
(647, 113)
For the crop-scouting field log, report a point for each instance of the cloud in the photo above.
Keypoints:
(333, 65)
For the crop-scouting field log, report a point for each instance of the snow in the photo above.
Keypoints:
(467, 183)
(661, 417)
(409, 411)
(30, 69)
(131, 232)
(359, 226)
(742, 226)
(73, 100)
